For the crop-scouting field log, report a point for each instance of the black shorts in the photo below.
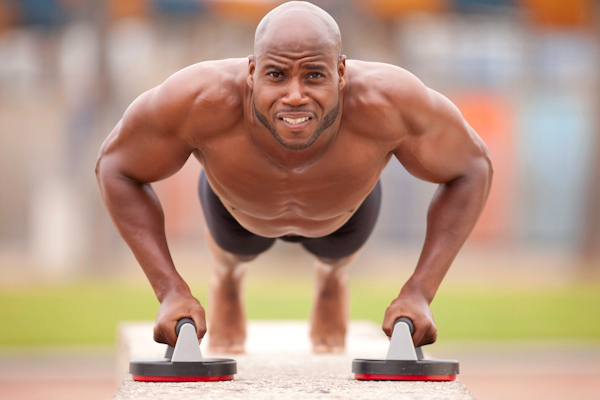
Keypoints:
(233, 238)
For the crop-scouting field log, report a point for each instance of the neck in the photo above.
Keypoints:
(293, 159)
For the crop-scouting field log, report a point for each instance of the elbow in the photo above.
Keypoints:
(483, 163)
(480, 172)
(98, 171)
(489, 168)
(103, 169)
(98, 168)
(485, 171)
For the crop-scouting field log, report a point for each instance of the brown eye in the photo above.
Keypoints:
(315, 75)
(274, 74)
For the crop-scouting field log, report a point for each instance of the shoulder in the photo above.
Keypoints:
(395, 99)
(385, 86)
(382, 77)
(207, 91)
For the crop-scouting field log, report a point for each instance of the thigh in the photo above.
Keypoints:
(227, 233)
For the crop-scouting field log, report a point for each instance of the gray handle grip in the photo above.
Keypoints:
(408, 322)
(183, 321)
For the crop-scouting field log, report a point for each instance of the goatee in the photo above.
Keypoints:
(327, 121)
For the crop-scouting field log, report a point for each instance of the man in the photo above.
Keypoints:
(292, 141)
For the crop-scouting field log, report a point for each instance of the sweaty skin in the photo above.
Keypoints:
(292, 140)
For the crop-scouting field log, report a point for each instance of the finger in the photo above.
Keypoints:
(160, 333)
(200, 321)
(158, 336)
(417, 337)
(201, 331)
(430, 337)
(388, 328)
(422, 329)
(388, 321)
(170, 333)
(428, 340)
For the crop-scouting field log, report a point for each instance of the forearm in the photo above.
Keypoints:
(453, 213)
(138, 216)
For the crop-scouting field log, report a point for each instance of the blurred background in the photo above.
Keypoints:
(524, 73)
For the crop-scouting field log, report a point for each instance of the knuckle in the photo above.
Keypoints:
(160, 326)
(199, 310)
(387, 330)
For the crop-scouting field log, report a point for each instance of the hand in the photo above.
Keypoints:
(412, 304)
(175, 306)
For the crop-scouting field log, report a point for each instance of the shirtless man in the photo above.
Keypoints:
(292, 141)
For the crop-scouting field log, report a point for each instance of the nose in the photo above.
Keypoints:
(295, 95)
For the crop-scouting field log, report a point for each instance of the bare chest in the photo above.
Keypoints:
(312, 200)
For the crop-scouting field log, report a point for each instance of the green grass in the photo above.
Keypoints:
(476, 312)
(88, 313)
(71, 314)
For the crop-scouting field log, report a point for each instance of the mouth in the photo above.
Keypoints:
(295, 122)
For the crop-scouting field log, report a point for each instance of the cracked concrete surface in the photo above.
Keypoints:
(278, 364)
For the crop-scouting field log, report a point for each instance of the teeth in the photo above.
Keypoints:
(295, 121)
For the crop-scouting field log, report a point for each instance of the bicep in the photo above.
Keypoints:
(440, 146)
(140, 148)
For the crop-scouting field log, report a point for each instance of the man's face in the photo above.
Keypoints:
(296, 91)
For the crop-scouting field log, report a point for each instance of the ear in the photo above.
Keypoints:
(251, 69)
(342, 72)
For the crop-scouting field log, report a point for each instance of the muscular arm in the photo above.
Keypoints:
(440, 147)
(145, 147)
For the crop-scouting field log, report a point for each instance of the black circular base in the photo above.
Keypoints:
(164, 367)
(405, 367)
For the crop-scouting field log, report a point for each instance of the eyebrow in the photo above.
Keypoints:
(274, 67)
(316, 67)
(312, 67)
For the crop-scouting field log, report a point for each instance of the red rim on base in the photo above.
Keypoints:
(384, 377)
(146, 378)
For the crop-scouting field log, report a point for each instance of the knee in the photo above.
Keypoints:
(335, 264)
(239, 259)
(233, 261)
(224, 257)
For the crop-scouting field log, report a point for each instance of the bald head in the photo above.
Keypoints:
(297, 23)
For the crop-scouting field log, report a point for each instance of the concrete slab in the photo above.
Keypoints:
(279, 364)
